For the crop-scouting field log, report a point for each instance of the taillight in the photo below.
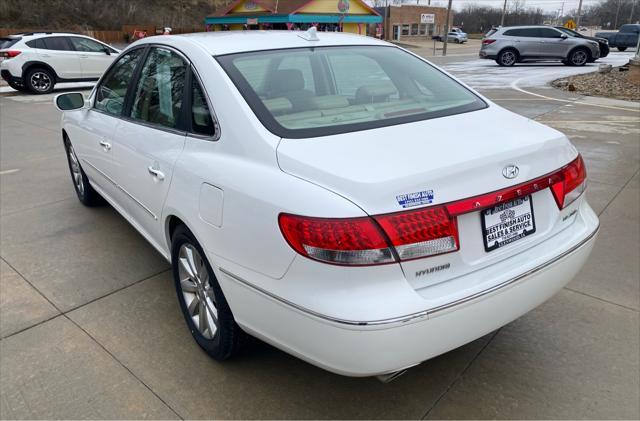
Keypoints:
(417, 233)
(571, 184)
(488, 41)
(343, 241)
(10, 53)
(421, 233)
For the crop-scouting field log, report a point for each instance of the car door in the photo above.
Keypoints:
(553, 44)
(58, 53)
(151, 137)
(94, 56)
(529, 44)
(94, 143)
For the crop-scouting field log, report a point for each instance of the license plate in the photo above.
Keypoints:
(507, 222)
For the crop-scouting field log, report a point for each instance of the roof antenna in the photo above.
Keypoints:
(311, 34)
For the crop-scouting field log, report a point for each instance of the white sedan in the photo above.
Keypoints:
(331, 194)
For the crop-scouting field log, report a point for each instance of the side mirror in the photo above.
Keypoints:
(107, 51)
(70, 101)
(564, 36)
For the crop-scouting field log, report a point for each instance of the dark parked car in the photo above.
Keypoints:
(602, 42)
(626, 37)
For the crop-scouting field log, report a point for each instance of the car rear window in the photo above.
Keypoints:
(310, 92)
(8, 42)
(491, 32)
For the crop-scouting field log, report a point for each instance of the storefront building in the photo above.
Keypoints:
(406, 22)
(327, 15)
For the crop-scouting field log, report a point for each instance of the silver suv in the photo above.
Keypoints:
(514, 44)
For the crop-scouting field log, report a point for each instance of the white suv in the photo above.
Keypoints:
(37, 61)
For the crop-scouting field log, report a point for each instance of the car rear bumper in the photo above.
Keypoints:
(484, 54)
(6, 75)
(367, 348)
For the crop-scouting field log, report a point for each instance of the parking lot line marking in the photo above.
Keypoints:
(5, 172)
(514, 85)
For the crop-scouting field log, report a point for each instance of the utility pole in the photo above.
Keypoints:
(504, 12)
(578, 16)
(615, 23)
(446, 30)
(633, 6)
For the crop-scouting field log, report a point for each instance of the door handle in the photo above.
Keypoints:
(83, 56)
(105, 145)
(156, 173)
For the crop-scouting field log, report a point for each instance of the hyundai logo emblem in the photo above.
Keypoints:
(510, 171)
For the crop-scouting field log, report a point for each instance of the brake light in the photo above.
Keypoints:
(572, 184)
(413, 234)
(10, 53)
(343, 241)
(421, 233)
(488, 41)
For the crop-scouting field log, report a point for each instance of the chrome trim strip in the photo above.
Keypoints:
(424, 313)
(153, 215)
(100, 172)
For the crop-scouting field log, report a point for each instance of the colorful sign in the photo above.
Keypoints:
(427, 18)
(570, 24)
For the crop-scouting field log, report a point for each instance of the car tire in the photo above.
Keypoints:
(507, 57)
(622, 48)
(86, 194)
(203, 304)
(17, 86)
(457, 41)
(578, 57)
(39, 80)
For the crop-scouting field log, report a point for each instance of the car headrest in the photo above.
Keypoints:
(286, 80)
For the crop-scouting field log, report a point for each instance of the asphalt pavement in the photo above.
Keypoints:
(90, 325)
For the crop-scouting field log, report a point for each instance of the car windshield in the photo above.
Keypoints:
(310, 92)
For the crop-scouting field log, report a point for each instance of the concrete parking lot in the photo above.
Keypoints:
(91, 328)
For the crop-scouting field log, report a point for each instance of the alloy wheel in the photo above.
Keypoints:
(40, 81)
(508, 58)
(197, 291)
(75, 170)
(579, 58)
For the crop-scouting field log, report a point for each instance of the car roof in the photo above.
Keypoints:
(229, 42)
(527, 26)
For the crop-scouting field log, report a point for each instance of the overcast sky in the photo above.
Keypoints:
(546, 5)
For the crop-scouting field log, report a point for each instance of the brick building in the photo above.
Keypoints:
(405, 21)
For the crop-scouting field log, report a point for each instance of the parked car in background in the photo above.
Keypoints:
(36, 61)
(602, 42)
(365, 214)
(626, 37)
(514, 44)
(453, 36)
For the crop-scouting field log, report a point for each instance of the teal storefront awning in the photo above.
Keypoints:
(294, 18)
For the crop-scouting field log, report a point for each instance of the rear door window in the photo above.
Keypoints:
(36, 43)
(57, 43)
